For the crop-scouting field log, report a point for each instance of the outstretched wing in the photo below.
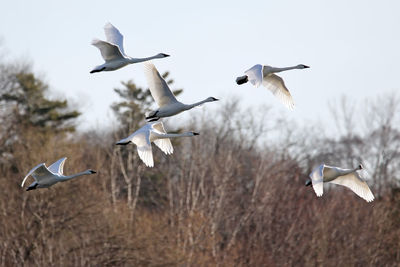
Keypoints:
(356, 184)
(58, 166)
(30, 173)
(255, 75)
(277, 86)
(39, 173)
(164, 144)
(142, 141)
(108, 51)
(317, 179)
(158, 86)
(113, 36)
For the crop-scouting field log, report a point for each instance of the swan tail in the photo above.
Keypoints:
(242, 79)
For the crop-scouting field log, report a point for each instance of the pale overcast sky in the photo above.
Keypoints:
(351, 46)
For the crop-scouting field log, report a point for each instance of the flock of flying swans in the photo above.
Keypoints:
(153, 131)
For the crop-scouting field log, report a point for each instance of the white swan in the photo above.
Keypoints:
(113, 53)
(347, 177)
(152, 132)
(165, 99)
(264, 75)
(46, 177)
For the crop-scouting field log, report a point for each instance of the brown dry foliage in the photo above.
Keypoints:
(222, 199)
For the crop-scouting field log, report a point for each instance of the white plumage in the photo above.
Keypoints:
(264, 75)
(349, 178)
(162, 94)
(113, 52)
(48, 176)
(152, 132)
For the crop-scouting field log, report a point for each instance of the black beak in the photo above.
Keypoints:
(195, 133)
(215, 99)
(165, 55)
(306, 67)
(93, 171)
(308, 182)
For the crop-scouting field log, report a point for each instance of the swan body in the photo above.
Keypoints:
(113, 53)
(265, 75)
(165, 99)
(153, 132)
(349, 178)
(48, 176)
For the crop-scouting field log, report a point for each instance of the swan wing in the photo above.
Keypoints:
(113, 36)
(158, 86)
(255, 75)
(108, 51)
(142, 141)
(40, 172)
(30, 173)
(356, 184)
(58, 166)
(277, 86)
(317, 179)
(165, 143)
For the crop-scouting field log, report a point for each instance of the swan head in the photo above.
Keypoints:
(162, 55)
(308, 182)
(211, 99)
(302, 66)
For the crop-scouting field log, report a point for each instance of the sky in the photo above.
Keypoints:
(352, 48)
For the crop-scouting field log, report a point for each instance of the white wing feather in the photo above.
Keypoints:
(113, 36)
(158, 86)
(58, 166)
(277, 86)
(142, 141)
(30, 173)
(165, 143)
(108, 51)
(355, 183)
(317, 179)
(255, 75)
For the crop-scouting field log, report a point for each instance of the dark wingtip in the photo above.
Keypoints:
(152, 119)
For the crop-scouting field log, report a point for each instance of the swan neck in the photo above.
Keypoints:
(137, 60)
(284, 69)
(196, 104)
(64, 178)
(163, 136)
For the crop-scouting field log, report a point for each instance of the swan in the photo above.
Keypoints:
(113, 53)
(347, 177)
(152, 132)
(165, 99)
(46, 177)
(259, 74)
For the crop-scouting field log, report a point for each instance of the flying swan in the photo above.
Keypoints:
(152, 132)
(349, 178)
(165, 99)
(46, 177)
(264, 75)
(113, 52)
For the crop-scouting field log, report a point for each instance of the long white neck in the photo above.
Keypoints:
(69, 177)
(187, 107)
(273, 69)
(162, 136)
(137, 60)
